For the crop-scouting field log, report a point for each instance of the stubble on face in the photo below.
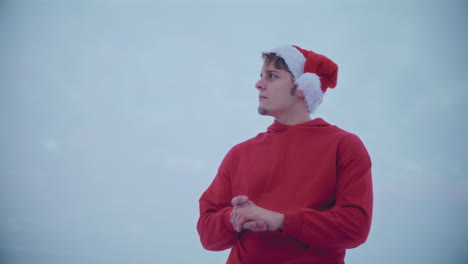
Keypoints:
(293, 90)
(262, 110)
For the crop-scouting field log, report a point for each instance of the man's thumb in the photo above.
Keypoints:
(239, 200)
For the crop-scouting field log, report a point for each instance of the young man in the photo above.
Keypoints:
(301, 192)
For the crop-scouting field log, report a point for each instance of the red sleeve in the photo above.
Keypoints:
(347, 223)
(214, 226)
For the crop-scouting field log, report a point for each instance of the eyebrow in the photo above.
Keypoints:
(270, 71)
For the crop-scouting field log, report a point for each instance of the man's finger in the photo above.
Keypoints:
(232, 216)
(257, 225)
(238, 222)
(239, 200)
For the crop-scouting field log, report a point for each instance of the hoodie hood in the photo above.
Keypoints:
(278, 127)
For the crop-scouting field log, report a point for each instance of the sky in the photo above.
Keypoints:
(115, 115)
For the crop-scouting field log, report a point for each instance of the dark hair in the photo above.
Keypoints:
(279, 62)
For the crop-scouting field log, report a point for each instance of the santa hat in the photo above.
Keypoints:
(313, 72)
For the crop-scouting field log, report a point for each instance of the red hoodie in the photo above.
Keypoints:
(317, 174)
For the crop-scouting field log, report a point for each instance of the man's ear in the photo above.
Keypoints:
(299, 93)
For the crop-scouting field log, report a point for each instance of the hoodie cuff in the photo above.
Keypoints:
(227, 220)
(292, 224)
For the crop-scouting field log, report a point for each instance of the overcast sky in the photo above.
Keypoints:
(115, 115)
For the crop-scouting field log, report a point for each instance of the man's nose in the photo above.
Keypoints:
(260, 85)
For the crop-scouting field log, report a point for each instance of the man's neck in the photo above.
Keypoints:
(293, 120)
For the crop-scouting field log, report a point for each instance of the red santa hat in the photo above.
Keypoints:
(313, 72)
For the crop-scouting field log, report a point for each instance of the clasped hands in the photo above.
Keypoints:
(246, 215)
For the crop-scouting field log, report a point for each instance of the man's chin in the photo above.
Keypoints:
(262, 110)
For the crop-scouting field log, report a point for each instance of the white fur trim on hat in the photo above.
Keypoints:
(293, 58)
(309, 84)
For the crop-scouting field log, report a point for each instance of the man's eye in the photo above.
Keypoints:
(271, 76)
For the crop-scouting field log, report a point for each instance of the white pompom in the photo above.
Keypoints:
(309, 84)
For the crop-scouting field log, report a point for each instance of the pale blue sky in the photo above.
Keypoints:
(115, 116)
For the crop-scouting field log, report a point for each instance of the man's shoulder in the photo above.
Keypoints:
(350, 142)
(345, 134)
(244, 146)
(250, 142)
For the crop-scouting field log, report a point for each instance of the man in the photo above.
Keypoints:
(301, 192)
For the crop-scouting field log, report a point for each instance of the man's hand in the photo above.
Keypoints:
(247, 215)
(240, 201)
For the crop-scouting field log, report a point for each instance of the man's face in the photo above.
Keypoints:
(277, 91)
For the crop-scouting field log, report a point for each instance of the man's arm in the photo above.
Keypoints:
(346, 224)
(214, 226)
